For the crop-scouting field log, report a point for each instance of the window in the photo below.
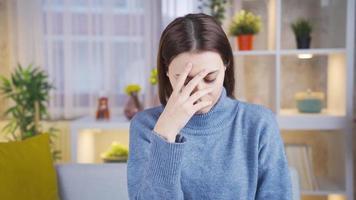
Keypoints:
(94, 47)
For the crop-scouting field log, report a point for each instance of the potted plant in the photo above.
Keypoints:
(216, 8)
(302, 29)
(133, 105)
(153, 77)
(245, 25)
(28, 89)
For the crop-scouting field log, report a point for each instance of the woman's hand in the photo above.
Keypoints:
(181, 105)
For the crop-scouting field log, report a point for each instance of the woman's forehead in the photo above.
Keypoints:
(204, 60)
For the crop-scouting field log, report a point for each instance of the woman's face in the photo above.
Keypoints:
(203, 60)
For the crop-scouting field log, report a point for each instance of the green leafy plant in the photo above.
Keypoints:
(154, 77)
(132, 88)
(302, 28)
(245, 23)
(216, 7)
(28, 89)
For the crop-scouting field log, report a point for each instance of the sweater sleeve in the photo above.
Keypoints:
(274, 180)
(154, 164)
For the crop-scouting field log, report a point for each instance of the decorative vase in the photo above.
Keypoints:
(303, 42)
(103, 112)
(245, 42)
(132, 106)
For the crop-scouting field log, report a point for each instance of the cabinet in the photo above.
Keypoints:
(274, 71)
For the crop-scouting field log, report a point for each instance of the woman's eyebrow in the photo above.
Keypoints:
(215, 71)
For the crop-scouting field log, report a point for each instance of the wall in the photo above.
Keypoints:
(4, 49)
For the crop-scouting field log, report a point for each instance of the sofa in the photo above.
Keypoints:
(108, 181)
(92, 181)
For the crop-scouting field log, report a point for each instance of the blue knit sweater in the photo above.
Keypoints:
(234, 151)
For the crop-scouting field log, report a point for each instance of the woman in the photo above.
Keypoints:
(201, 143)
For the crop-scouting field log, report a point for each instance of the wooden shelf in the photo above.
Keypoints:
(326, 120)
(273, 73)
(312, 51)
(327, 187)
(290, 52)
(255, 53)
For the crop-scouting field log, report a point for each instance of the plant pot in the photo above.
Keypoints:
(245, 42)
(303, 42)
(132, 106)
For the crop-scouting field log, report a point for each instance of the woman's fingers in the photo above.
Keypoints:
(200, 105)
(182, 77)
(197, 95)
(187, 90)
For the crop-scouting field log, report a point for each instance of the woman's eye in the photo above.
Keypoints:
(210, 80)
(207, 80)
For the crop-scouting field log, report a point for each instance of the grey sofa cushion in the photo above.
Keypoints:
(109, 181)
(92, 181)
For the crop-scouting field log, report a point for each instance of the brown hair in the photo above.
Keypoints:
(193, 33)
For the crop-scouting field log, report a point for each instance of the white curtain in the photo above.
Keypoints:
(91, 48)
(25, 33)
(177, 8)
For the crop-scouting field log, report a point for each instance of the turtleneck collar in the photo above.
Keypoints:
(217, 117)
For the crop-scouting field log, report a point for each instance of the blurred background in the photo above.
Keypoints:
(80, 69)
